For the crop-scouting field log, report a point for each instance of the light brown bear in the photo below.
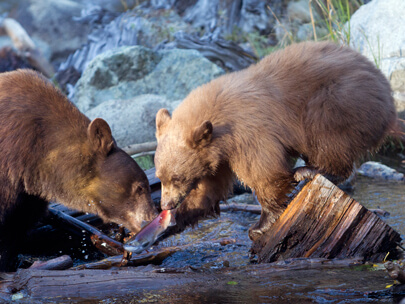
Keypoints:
(52, 152)
(323, 102)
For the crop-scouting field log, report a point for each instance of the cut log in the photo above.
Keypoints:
(323, 221)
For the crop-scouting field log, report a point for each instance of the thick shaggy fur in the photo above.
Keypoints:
(52, 152)
(322, 101)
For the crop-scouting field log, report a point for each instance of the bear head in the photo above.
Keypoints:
(119, 189)
(183, 157)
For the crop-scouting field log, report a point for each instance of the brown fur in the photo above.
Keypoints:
(324, 102)
(52, 152)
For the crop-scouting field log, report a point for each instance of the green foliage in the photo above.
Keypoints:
(145, 161)
(336, 18)
(377, 54)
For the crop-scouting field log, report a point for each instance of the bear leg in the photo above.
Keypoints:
(274, 201)
(267, 218)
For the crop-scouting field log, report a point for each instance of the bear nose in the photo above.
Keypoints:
(168, 205)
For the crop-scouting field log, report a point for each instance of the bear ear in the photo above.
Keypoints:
(162, 118)
(202, 135)
(99, 134)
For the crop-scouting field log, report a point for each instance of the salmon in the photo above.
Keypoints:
(148, 235)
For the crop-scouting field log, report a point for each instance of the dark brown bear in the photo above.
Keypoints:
(52, 152)
(321, 101)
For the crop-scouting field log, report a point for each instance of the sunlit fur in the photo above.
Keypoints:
(319, 100)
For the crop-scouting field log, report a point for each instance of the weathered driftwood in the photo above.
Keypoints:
(103, 242)
(24, 44)
(139, 148)
(323, 221)
(98, 284)
(152, 257)
(230, 207)
(59, 263)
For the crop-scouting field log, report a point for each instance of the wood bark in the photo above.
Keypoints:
(323, 221)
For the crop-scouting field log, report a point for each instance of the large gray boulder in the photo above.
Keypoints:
(132, 120)
(135, 70)
(129, 85)
(377, 31)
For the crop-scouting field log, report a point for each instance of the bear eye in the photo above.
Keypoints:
(138, 190)
(175, 179)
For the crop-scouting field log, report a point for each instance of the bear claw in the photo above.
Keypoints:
(255, 234)
(303, 173)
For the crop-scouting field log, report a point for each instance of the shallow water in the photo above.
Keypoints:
(389, 196)
(340, 285)
(235, 279)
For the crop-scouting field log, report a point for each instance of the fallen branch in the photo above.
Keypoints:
(103, 242)
(139, 148)
(153, 257)
(60, 263)
(256, 209)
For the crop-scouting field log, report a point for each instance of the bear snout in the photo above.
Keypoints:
(168, 205)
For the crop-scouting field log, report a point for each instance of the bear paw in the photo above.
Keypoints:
(258, 229)
(255, 234)
(303, 173)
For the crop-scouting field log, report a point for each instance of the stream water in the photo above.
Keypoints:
(340, 285)
(233, 277)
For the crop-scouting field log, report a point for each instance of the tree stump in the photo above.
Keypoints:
(322, 221)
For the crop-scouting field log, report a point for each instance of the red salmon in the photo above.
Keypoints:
(148, 235)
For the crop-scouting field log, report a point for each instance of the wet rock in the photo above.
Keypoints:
(378, 170)
(136, 70)
(132, 120)
(376, 30)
